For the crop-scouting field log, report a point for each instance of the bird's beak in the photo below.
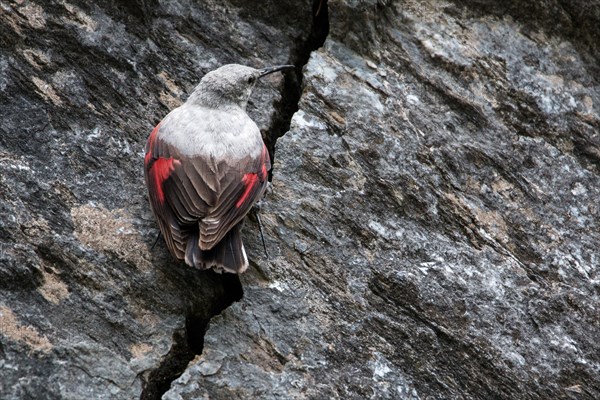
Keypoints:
(270, 70)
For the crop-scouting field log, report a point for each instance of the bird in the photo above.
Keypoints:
(205, 166)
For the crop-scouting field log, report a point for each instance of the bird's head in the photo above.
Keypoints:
(230, 84)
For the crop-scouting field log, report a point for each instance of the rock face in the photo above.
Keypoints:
(434, 221)
(433, 228)
(87, 309)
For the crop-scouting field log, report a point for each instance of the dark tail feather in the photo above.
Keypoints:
(228, 255)
(192, 251)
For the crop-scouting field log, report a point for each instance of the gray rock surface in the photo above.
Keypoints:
(434, 222)
(87, 310)
(433, 228)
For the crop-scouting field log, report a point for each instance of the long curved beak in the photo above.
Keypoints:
(270, 70)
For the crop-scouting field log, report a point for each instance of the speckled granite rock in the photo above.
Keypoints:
(433, 227)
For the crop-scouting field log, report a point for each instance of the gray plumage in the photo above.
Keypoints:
(205, 166)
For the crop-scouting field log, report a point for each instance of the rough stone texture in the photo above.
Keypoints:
(87, 310)
(433, 227)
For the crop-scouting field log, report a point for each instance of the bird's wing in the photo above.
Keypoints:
(215, 194)
(241, 183)
(158, 167)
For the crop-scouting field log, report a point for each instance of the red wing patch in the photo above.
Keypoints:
(253, 179)
(159, 168)
(265, 163)
(159, 172)
(250, 180)
(264, 171)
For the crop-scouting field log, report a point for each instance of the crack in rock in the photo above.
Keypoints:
(292, 86)
(188, 344)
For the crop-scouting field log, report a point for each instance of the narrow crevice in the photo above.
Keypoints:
(189, 341)
(292, 86)
(196, 327)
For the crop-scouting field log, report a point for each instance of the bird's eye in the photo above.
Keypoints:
(251, 79)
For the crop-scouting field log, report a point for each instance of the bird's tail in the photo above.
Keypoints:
(228, 255)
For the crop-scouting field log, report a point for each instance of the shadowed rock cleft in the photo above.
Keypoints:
(189, 342)
(292, 86)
